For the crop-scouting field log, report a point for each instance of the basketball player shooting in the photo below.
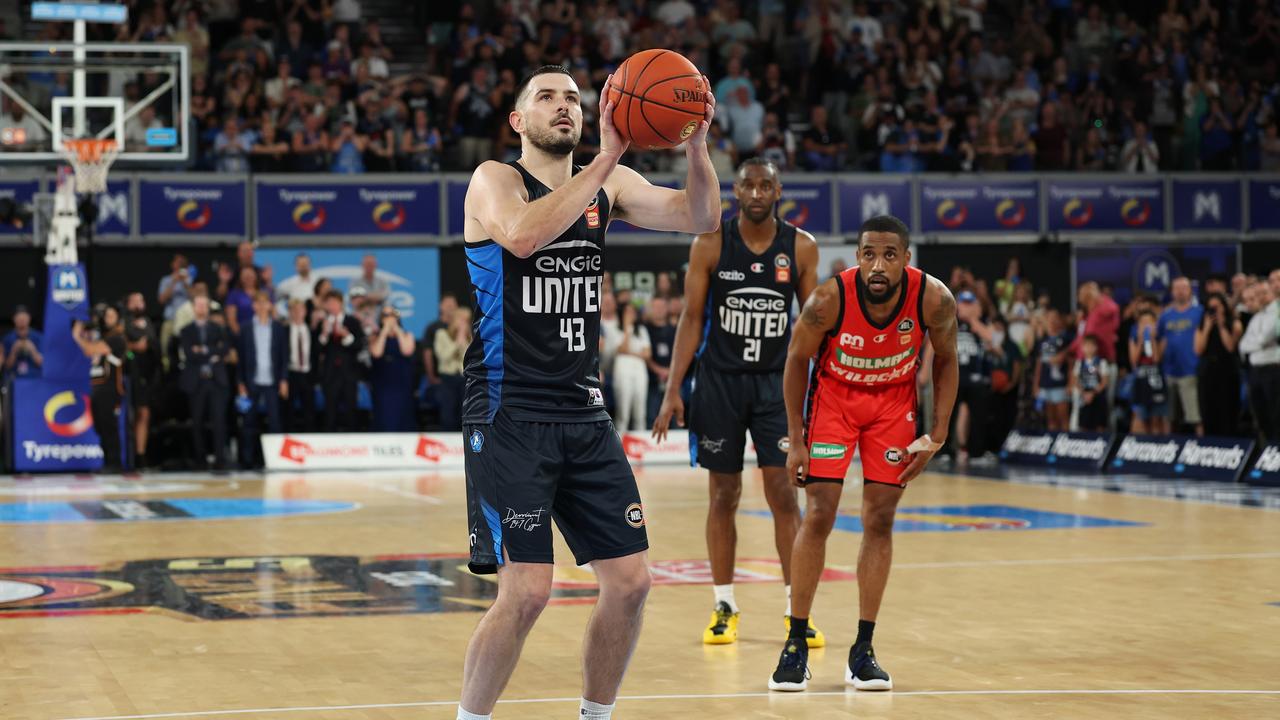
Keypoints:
(540, 445)
(866, 327)
(741, 284)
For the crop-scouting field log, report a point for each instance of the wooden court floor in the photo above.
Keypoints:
(1006, 601)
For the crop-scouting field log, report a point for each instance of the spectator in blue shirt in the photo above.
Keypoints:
(22, 355)
(1216, 131)
(1176, 332)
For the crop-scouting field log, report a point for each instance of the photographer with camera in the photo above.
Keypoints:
(104, 345)
(22, 356)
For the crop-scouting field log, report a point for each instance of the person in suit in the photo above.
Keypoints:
(264, 358)
(304, 353)
(205, 346)
(341, 340)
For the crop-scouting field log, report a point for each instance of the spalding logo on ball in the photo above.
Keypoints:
(658, 98)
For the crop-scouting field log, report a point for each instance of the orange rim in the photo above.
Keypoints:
(89, 150)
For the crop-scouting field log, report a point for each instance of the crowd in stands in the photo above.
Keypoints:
(1203, 361)
(819, 85)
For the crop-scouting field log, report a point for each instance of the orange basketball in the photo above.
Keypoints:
(659, 98)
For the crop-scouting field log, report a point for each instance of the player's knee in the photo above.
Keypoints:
(781, 498)
(527, 604)
(877, 522)
(820, 517)
(726, 491)
(631, 589)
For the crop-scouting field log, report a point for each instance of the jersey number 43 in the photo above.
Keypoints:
(573, 330)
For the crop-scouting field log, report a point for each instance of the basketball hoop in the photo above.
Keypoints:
(91, 158)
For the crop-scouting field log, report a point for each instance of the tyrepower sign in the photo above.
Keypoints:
(1203, 458)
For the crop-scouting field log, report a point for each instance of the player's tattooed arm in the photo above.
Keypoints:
(822, 308)
(940, 318)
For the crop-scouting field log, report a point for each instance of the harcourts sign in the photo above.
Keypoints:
(1057, 449)
(1203, 458)
(1266, 471)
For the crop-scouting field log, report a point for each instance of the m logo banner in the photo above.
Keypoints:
(861, 201)
(114, 209)
(1207, 205)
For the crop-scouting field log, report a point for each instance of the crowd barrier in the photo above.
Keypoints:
(431, 451)
(416, 208)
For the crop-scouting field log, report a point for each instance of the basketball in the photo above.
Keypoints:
(658, 97)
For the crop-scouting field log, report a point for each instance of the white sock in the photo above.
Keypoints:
(788, 589)
(724, 594)
(464, 715)
(588, 710)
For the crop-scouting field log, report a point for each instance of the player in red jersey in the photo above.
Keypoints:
(866, 327)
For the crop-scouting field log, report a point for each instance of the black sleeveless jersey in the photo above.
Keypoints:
(970, 355)
(536, 346)
(748, 317)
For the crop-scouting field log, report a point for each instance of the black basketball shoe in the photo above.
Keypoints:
(863, 672)
(792, 673)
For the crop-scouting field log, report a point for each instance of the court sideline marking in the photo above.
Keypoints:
(724, 696)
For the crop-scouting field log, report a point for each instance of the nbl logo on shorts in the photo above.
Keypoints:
(477, 441)
(635, 515)
(894, 455)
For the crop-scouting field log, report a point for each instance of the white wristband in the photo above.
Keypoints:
(923, 443)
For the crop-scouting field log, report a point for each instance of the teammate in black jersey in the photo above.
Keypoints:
(739, 291)
(539, 443)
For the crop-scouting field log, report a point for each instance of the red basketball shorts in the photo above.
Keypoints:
(880, 422)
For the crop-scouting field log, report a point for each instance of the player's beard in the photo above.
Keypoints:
(882, 297)
(758, 216)
(553, 142)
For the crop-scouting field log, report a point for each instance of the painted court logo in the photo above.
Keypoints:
(826, 451)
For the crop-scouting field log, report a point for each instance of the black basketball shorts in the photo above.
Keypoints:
(723, 407)
(522, 475)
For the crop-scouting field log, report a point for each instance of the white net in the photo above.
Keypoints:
(91, 159)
